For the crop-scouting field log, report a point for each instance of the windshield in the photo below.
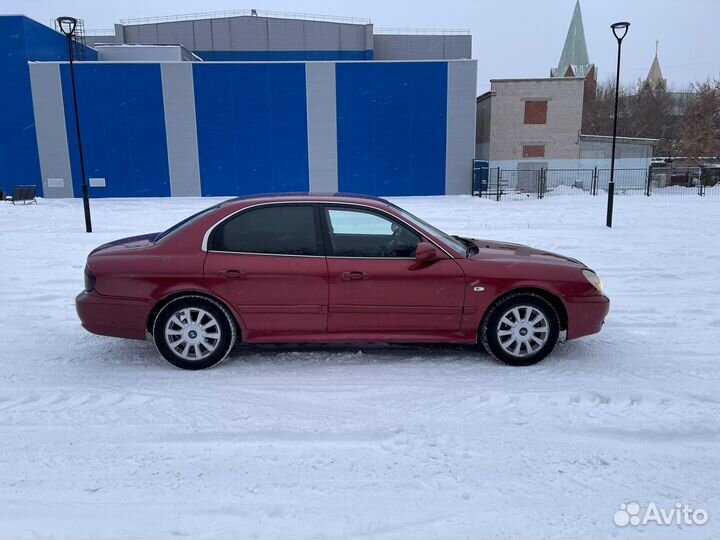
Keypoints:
(451, 241)
(184, 222)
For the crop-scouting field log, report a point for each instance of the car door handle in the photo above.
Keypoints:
(354, 276)
(232, 274)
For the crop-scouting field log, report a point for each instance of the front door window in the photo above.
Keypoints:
(357, 233)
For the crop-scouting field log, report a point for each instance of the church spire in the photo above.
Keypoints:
(574, 59)
(654, 80)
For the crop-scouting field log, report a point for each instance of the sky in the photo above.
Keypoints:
(511, 38)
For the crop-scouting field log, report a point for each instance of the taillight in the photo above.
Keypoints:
(89, 279)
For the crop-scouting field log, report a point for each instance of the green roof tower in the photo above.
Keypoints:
(574, 61)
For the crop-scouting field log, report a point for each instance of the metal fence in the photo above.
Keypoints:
(499, 184)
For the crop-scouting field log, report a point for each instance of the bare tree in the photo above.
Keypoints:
(642, 112)
(599, 108)
(701, 125)
(656, 114)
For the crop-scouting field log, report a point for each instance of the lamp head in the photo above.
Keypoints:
(67, 25)
(620, 29)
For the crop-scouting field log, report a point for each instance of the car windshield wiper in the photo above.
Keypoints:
(472, 249)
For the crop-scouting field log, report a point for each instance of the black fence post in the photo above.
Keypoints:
(538, 183)
(647, 183)
(484, 179)
(611, 194)
(498, 184)
(544, 182)
(594, 182)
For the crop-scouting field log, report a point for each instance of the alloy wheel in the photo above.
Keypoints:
(522, 331)
(192, 333)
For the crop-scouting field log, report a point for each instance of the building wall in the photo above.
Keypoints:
(251, 128)
(422, 47)
(247, 38)
(182, 128)
(460, 144)
(144, 53)
(483, 111)
(122, 127)
(283, 56)
(23, 40)
(597, 152)
(391, 128)
(321, 90)
(602, 149)
(102, 39)
(559, 135)
(569, 164)
(593, 152)
(178, 89)
(502, 132)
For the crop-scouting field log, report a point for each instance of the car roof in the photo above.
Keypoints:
(307, 197)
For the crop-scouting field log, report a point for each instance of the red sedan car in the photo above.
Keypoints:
(317, 269)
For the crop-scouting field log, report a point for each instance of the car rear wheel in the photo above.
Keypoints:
(193, 332)
(521, 329)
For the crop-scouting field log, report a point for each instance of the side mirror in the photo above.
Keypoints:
(426, 252)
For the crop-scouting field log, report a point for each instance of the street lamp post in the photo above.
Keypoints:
(67, 27)
(620, 29)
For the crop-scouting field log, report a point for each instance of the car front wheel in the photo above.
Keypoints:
(521, 329)
(193, 332)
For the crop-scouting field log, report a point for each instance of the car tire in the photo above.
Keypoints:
(520, 329)
(194, 332)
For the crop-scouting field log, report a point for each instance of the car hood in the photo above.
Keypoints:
(490, 249)
(131, 243)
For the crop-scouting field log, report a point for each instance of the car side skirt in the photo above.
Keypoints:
(360, 337)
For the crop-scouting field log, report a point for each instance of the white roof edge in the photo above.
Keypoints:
(640, 140)
(210, 62)
(539, 79)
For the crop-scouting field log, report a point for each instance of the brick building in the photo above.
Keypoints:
(524, 122)
(533, 123)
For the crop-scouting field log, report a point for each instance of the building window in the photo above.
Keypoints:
(536, 112)
(533, 150)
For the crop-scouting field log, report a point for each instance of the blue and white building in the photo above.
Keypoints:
(237, 104)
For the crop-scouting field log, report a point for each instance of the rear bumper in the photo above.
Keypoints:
(112, 315)
(586, 314)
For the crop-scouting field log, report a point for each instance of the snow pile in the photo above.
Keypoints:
(101, 438)
(562, 189)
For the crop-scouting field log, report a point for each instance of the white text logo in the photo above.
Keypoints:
(681, 514)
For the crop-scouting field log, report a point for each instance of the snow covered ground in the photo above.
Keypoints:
(100, 438)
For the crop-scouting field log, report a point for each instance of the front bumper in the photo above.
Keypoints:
(586, 314)
(112, 316)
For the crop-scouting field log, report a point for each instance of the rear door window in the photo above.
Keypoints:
(273, 230)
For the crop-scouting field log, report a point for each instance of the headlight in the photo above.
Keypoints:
(594, 280)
